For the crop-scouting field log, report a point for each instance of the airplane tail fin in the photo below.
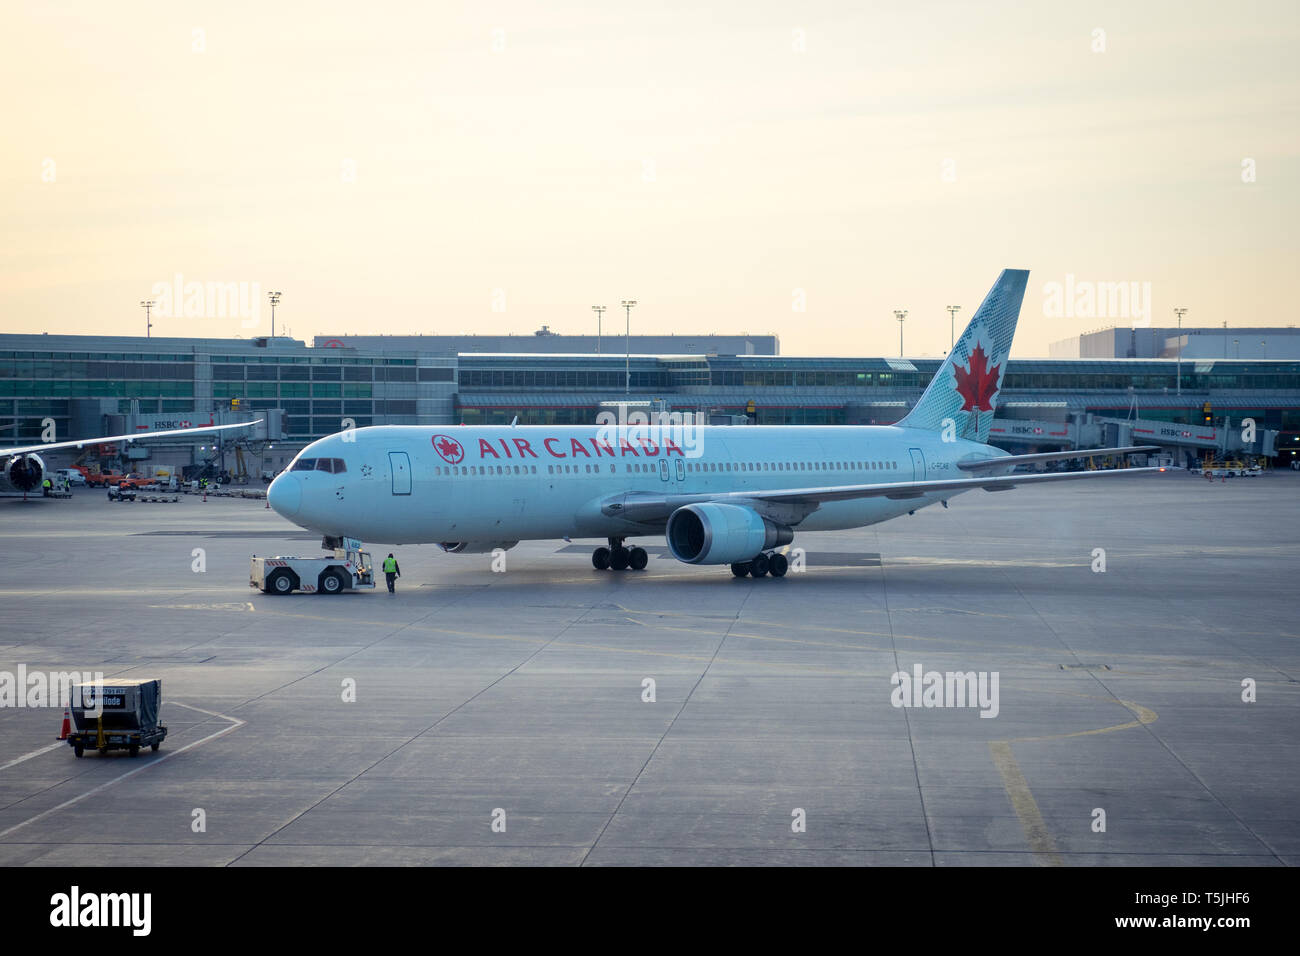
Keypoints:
(965, 388)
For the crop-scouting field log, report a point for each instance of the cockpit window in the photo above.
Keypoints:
(336, 466)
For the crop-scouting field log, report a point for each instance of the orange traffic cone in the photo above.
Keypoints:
(67, 726)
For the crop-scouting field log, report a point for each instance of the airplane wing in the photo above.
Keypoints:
(138, 436)
(648, 507)
(978, 463)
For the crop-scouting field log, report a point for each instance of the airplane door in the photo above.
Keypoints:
(663, 469)
(400, 465)
(918, 465)
(681, 470)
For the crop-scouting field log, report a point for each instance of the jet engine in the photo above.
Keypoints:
(24, 473)
(711, 533)
(475, 547)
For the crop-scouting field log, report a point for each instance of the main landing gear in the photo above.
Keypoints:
(760, 565)
(618, 558)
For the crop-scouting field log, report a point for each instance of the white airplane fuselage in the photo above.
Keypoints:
(407, 484)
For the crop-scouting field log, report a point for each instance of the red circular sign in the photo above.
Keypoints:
(448, 449)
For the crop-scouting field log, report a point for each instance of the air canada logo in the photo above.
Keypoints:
(977, 383)
(449, 449)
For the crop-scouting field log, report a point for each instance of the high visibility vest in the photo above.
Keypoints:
(390, 565)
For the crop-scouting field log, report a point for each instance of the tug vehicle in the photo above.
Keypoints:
(347, 569)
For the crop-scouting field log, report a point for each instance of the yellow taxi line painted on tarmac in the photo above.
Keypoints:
(1022, 798)
(1023, 802)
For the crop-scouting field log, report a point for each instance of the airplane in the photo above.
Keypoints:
(730, 495)
(23, 469)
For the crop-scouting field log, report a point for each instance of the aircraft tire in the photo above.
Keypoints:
(759, 565)
(637, 559)
(740, 568)
(777, 564)
(618, 559)
(600, 559)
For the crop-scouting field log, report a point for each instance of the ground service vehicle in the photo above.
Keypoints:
(346, 569)
(117, 714)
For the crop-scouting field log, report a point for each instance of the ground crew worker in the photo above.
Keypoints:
(391, 571)
(46, 487)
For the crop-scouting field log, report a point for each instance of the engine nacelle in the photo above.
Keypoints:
(475, 547)
(25, 472)
(712, 533)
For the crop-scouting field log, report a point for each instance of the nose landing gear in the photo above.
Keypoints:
(618, 558)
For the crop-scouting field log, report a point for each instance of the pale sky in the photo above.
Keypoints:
(410, 167)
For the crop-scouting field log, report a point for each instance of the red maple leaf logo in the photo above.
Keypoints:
(978, 382)
(449, 449)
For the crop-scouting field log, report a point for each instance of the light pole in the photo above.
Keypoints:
(900, 314)
(1178, 388)
(148, 305)
(627, 361)
(275, 300)
(952, 326)
(599, 310)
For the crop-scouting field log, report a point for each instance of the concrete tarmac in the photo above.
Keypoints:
(503, 717)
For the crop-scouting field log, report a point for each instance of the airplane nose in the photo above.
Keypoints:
(285, 495)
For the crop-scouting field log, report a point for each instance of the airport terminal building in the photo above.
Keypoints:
(95, 385)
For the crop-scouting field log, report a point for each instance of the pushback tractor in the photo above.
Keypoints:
(347, 569)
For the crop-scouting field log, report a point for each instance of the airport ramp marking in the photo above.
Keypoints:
(236, 723)
(1023, 802)
(232, 606)
(1017, 787)
(1144, 715)
(35, 753)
